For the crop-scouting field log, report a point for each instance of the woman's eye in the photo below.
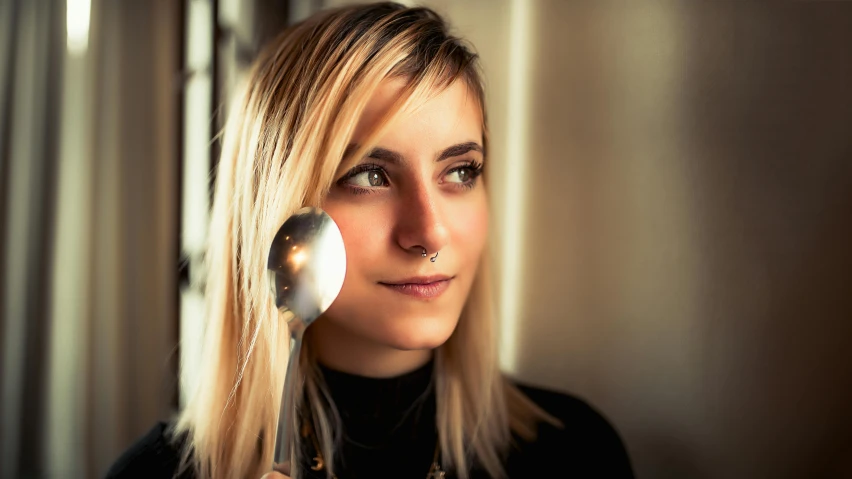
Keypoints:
(464, 175)
(460, 175)
(368, 179)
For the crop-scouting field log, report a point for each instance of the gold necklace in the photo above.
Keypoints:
(435, 471)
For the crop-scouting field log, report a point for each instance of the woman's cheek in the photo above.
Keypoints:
(361, 229)
(470, 224)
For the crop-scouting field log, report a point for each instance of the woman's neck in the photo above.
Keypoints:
(340, 350)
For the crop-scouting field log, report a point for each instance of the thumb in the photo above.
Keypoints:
(279, 471)
(274, 475)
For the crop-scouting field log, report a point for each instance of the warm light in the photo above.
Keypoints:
(77, 25)
(515, 180)
(298, 259)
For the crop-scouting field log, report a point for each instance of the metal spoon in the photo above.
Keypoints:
(306, 267)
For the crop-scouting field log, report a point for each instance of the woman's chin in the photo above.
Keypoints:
(431, 335)
(418, 344)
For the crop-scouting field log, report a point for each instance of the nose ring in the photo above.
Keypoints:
(432, 259)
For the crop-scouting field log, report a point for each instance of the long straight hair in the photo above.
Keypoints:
(284, 140)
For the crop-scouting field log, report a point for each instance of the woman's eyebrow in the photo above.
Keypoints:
(396, 158)
(377, 153)
(387, 155)
(459, 149)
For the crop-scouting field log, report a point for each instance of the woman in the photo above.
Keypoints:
(376, 115)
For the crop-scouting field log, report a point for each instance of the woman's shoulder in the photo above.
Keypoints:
(155, 455)
(568, 408)
(586, 444)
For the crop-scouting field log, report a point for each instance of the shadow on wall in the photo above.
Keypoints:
(773, 164)
(689, 229)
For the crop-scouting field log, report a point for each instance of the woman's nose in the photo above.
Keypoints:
(421, 224)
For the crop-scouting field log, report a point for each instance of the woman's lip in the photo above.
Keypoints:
(419, 279)
(420, 290)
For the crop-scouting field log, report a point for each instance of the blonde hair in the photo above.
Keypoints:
(284, 140)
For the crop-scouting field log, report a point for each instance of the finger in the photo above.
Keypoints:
(283, 468)
(274, 475)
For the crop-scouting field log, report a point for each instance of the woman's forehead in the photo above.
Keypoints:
(448, 116)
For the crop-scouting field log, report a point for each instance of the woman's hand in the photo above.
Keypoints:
(279, 471)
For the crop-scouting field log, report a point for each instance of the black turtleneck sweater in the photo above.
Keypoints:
(389, 432)
(388, 424)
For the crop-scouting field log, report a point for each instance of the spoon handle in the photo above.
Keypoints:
(286, 421)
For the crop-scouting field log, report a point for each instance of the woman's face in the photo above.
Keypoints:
(418, 189)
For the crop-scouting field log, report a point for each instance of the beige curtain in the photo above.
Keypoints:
(90, 224)
(30, 44)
